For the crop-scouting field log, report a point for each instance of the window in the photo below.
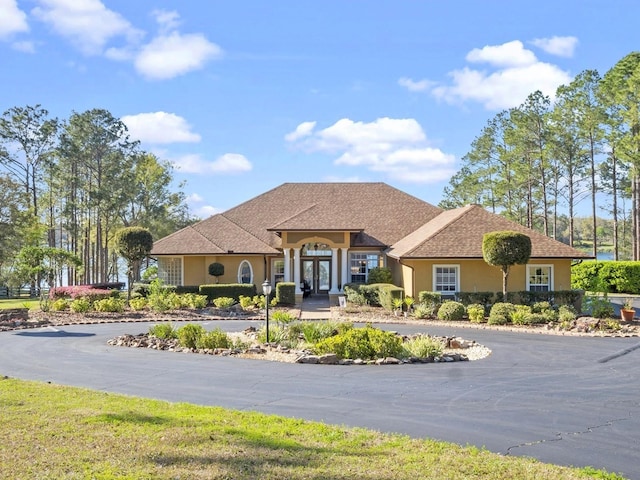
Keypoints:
(539, 278)
(245, 272)
(361, 263)
(277, 270)
(170, 270)
(316, 250)
(446, 278)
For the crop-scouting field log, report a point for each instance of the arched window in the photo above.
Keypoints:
(245, 272)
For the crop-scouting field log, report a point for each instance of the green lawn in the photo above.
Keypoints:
(30, 303)
(55, 432)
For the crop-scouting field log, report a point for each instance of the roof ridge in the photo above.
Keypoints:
(313, 205)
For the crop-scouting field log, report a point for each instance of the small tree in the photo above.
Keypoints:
(216, 270)
(133, 244)
(504, 249)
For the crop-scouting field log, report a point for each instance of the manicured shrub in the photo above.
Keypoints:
(423, 346)
(59, 305)
(500, 313)
(424, 310)
(431, 300)
(286, 293)
(521, 315)
(468, 298)
(111, 304)
(451, 311)
(387, 294)
(138, 303)
(365, 343)
(566, 313)
(476, 313)
(216, 270)
(224, 302)
(80, 305)
(246, 302)
(214, 339)
(164, 331)
(233, 290)
(189, 335)
(379, 275)
(193, 300)
(352, 292)
(313, 332)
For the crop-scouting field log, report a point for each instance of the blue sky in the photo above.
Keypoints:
(244, 95)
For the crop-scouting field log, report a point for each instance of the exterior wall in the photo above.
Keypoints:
(477, 276)
(196, 268)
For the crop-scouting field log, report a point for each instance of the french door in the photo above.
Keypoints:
(316, 272)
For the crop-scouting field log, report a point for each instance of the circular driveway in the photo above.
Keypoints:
(562, 399)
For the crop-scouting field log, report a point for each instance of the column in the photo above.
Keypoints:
(296, 269)
(334, 271)
(287, 264)
(345, 267)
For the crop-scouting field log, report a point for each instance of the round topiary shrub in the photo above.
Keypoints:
(451, 311)
(501, 313)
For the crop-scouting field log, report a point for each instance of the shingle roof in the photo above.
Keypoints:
(458, 233)
(380, 213)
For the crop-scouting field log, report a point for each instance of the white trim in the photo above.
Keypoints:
(456, 266)
(539, 265)
(273, 270)
(240, 271)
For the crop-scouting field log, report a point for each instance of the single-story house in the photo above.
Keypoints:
(329, 234)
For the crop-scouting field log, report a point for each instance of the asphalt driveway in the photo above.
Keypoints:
(565, 400)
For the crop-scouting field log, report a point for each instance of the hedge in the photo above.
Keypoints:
(387, 293)
(233, 290)
(286, 293)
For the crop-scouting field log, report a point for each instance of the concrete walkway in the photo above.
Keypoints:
(315, 307)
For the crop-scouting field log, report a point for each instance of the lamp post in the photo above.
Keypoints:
(266, 289)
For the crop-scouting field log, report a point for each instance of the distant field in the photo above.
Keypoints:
(30, 303)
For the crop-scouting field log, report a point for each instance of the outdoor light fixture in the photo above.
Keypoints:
(266, 289)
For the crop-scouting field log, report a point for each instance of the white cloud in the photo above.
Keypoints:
(516, 73)
(560, 46)
(159, 127)
(167, 20)
(415, 86)
(24, 46)
(171, 55)
(88, 24)
(510, 54)
(396, 147)
(303, 130)
(228, 163)
(12, 19)
(199, 208)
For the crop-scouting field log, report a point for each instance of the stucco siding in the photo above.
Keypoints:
(477, 276)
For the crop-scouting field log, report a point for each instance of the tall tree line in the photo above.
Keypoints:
(70, 184)
(536, 163)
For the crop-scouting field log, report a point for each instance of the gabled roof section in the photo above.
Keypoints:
(215, 235)
(380, 214)
(458, 233)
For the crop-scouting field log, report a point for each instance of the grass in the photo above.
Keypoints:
(55, 432)
(30, 303)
